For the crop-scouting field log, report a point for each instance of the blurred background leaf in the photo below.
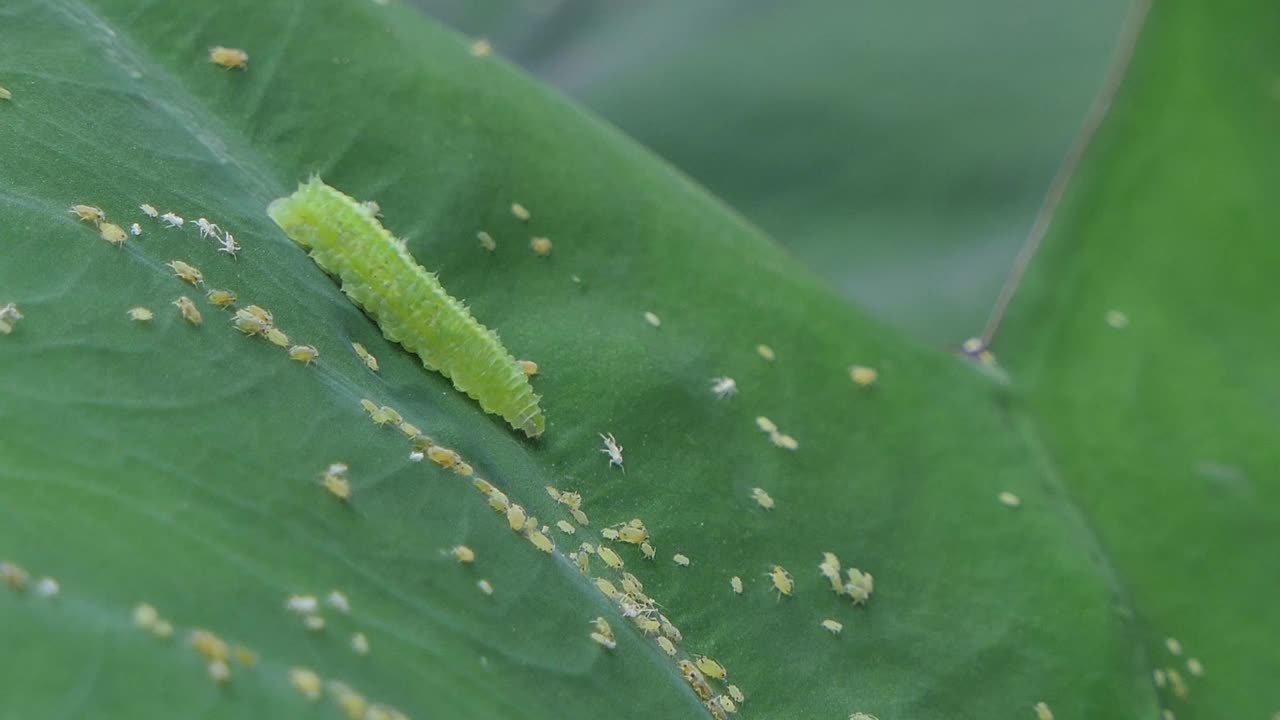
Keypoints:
(900, 149)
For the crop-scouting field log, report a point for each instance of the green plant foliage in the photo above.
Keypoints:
(180, 465)
(901, 149)
(1164, 427)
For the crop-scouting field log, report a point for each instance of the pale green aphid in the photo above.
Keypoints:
(410, 306)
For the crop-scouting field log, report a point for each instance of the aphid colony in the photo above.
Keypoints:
(779, 439)
(117, 235)
(858, 586)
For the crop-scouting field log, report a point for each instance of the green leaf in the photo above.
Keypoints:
(900, 149)
(179, 465)
(1164, 426)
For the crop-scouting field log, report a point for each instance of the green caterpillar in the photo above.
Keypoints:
(410, 306)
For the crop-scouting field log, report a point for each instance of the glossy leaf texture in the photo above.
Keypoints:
(1141, 336)
(900, 149)
(179, 465)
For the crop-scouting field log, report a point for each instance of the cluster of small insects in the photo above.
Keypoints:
(16, 578)
(1171, 678)
(858, 586)
(352, 703)
(779, 439)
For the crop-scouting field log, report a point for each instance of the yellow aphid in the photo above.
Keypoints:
(499, 502)
(869, 716)
(229, 58)
(566, 527)
(781, 579)
(604, 640)
(260, 314)
(710, 667)
(149, 210)
(248, 324)
(602, 627)
(830, 569)
(338, 487)
(1042, 711)
(633, 535)
(786, 442)
(1117, 319)
(187, 273)
(832, 626)
(353, 705)
(276, 336)
(541, 541)
(860, 585)
(680, 559)
(1177, 684)
(541, 246)
(735, 582)
(766, 425)
(667, 646)
(765, 352)
(571, 499)
(88, 213)
(9, 314)
(1009, 500)
(516, 517)
(15, 576)
(554, 492)
(444, 457)
(360, 644)
(607, 588)
(314, 623)
(303, 604)
(369, 406)
(486, 241)
(306, 682)
(245, 656)
(1158, 677)
(464, 469)
(520, 212)
(652, 319)
(762, 498)
(609, 557)
(481, 48)
(163, 629)
(145, 616)
(221, 298)
(583, 561)
(647, 625)
(647, 551)
(631, 585)
(863, 376)
(695, 679)
(726, 704)
(579, 517)
(189, 311)
(410, 431)
(209, 645)
(304, 354)
(528, 367)
(1194, 667)
(485, 586)
(112, 233)
(392, 415)
(463, 554)
(609, 533)
(736, 694)
(5, 94)
(219, 671)
(141, 314)
(1173, 645)
(369, 360)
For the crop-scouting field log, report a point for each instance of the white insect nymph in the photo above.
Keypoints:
(229, 245)
(723, 387)
(171, 220)
(207, 228)
(613, 450)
